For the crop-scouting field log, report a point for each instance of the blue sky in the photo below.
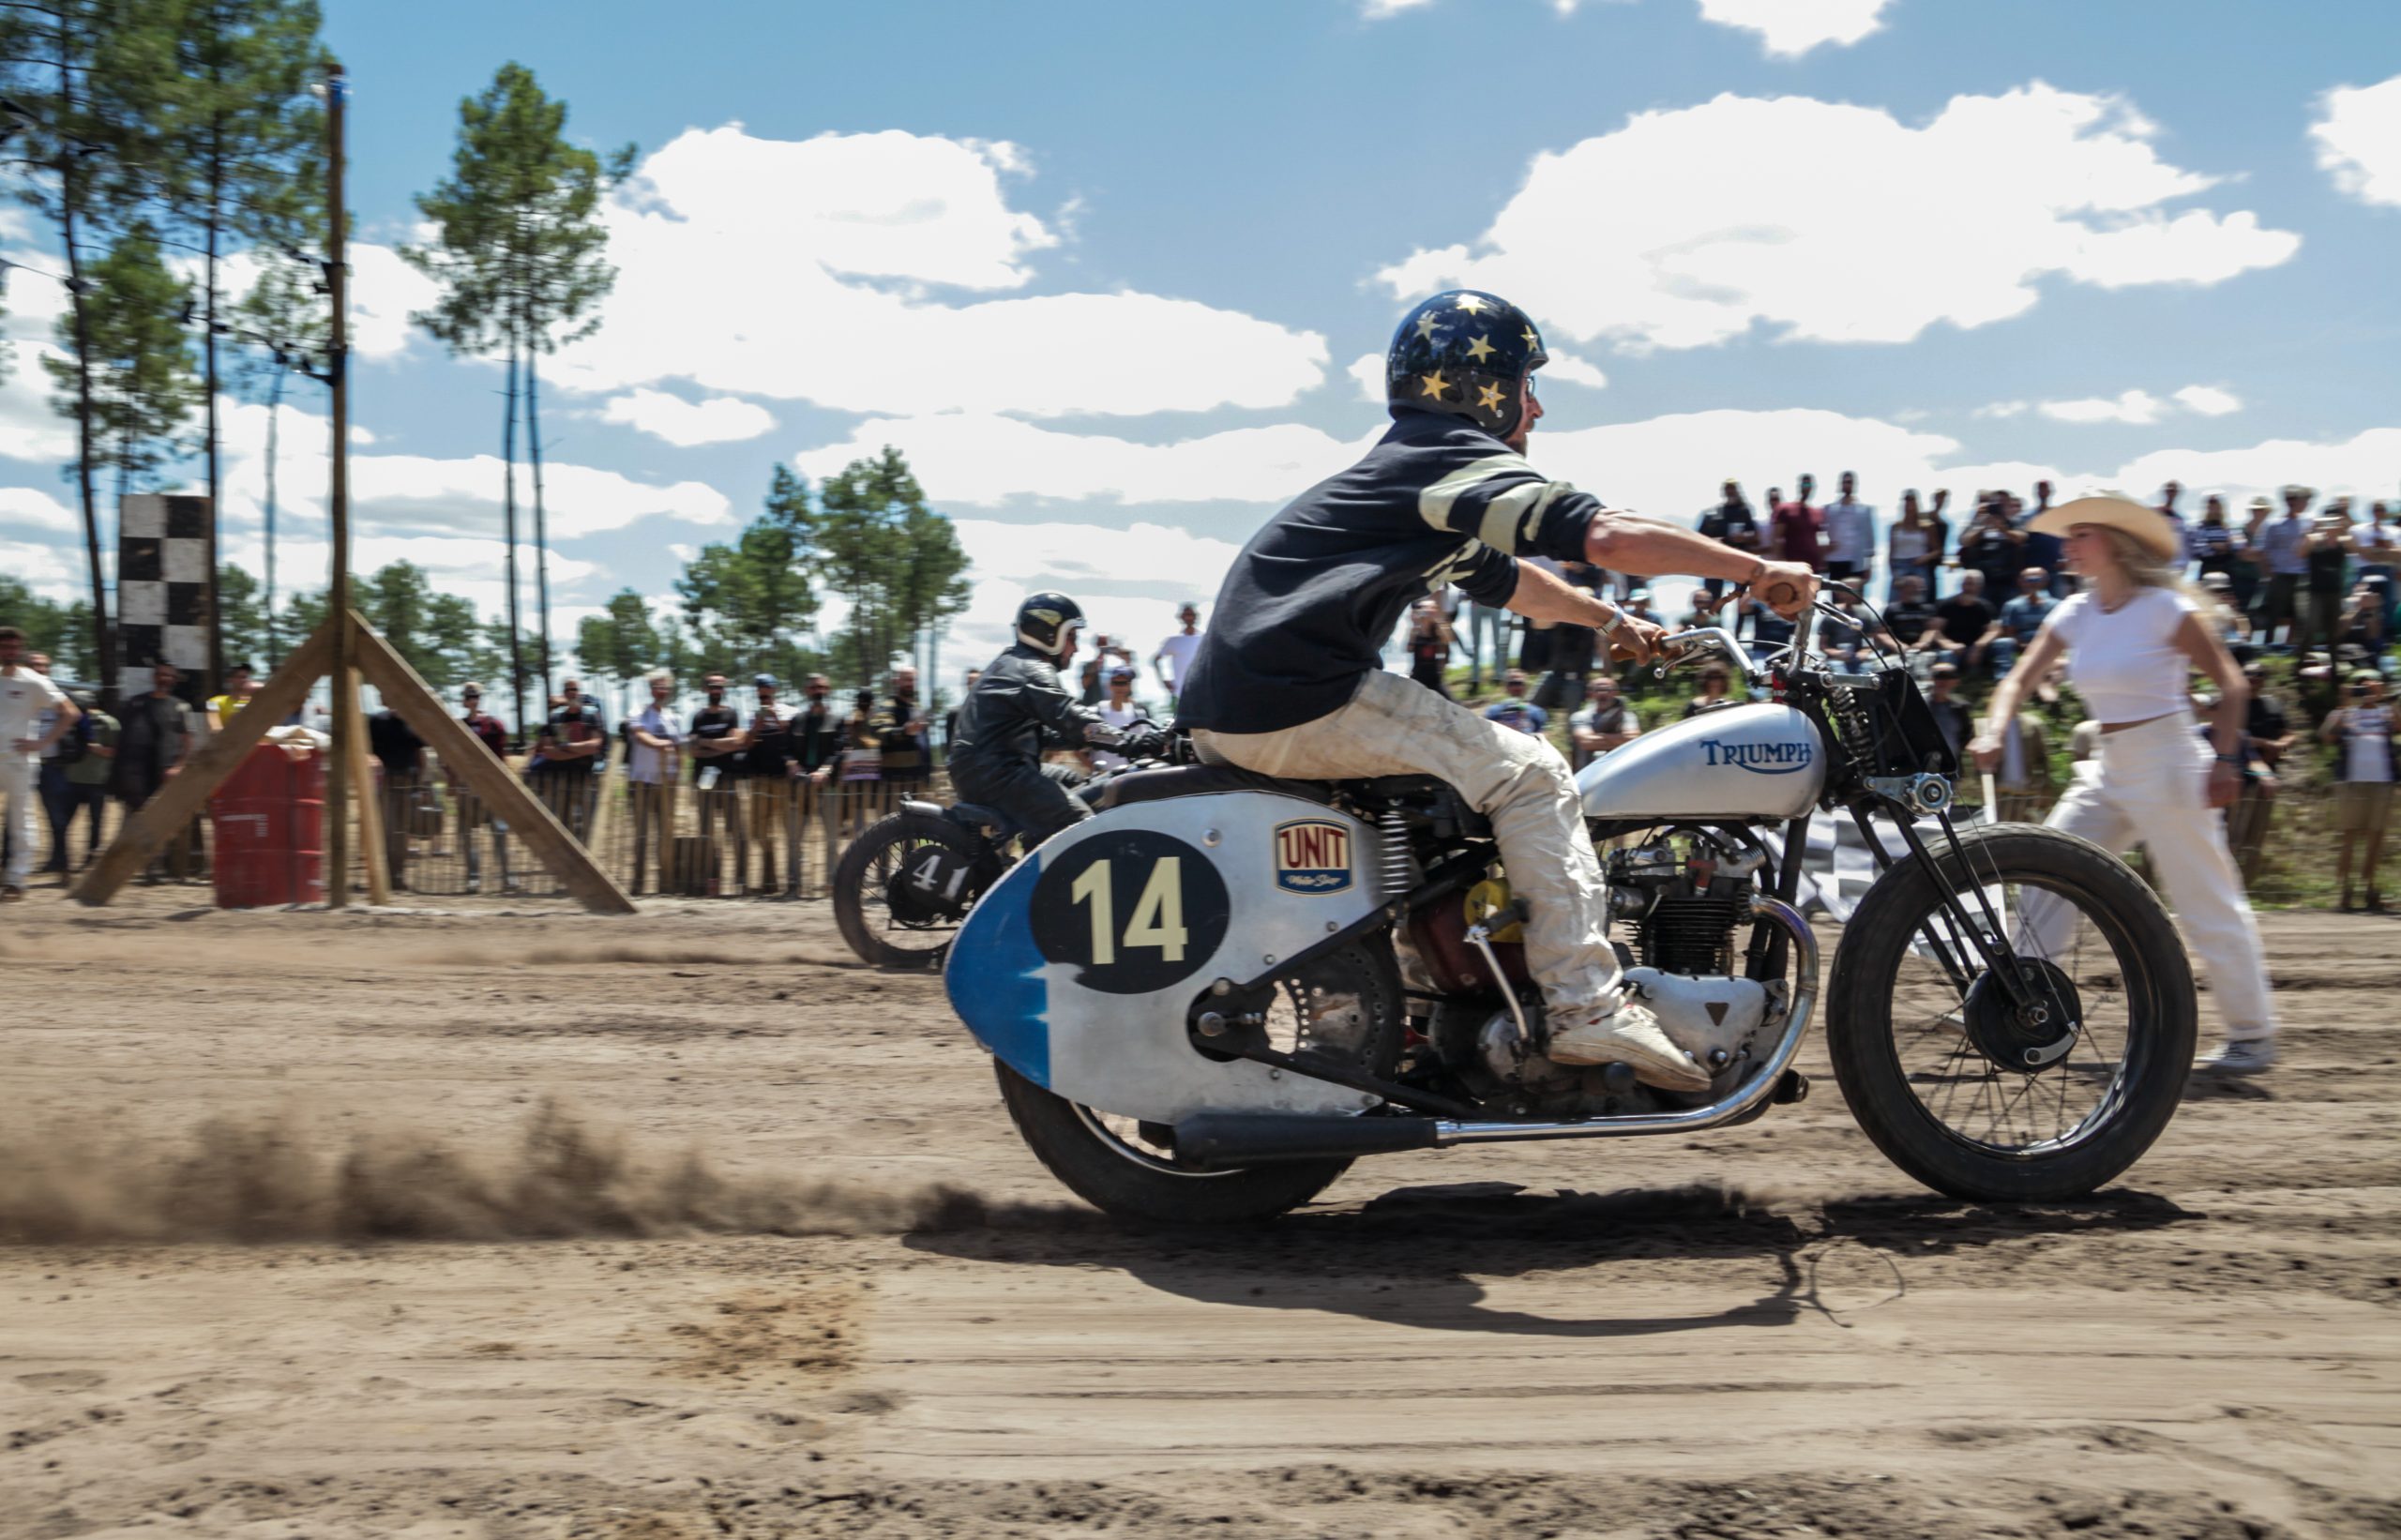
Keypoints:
(1105, 270)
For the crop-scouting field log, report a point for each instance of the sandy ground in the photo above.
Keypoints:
(521, 1223)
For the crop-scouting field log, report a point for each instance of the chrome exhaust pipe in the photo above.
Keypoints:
(1691, 1118)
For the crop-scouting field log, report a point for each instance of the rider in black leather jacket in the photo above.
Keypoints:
(1018, 707)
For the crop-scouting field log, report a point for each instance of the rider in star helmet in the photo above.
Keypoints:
(1287, 680)
(1019, 706)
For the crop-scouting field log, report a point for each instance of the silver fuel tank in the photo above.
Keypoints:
(1764, 761)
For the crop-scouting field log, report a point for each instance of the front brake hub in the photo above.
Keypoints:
(2029, 1039)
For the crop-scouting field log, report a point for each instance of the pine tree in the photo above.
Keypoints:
(517, 251)
(81, 82)
(241, 135)
(129, 374)
(896, 561)
(749, 600)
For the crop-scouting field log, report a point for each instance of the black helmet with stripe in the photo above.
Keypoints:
(1464, 352)
(1046, 620)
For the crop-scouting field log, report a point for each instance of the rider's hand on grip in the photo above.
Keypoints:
(1636, 640)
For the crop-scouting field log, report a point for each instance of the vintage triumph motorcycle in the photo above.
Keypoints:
(1205, 1002)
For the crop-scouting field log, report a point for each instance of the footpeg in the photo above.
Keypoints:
(1792, 1089)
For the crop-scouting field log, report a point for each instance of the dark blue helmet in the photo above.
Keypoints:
(1045, 620)
(1463, 353)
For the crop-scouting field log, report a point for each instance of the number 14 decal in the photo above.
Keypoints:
(1158, 913)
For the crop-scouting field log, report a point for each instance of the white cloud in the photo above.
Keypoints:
(720, 419)
(2208, 401)
(1129, 581)
(1687, 228)
(2132, 406)
(807, 270)
(2359, 140)
(24, 507)
(1376, 10)
(55, 571)
(1789, 28)
(361, 435)
(1368, 370)
(1574, 371)
(2139, 407)
(966, 458)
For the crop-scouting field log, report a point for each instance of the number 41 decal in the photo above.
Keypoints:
(1158, 913)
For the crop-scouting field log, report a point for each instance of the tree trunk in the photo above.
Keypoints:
(273, 410)
(509, 524)
(216, 663)
(541, 523)
(103, 638)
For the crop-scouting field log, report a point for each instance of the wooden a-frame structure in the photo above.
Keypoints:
(464, 755)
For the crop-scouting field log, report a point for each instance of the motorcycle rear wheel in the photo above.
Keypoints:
(1938, 1075)
(1349, 1007)
(876, 928)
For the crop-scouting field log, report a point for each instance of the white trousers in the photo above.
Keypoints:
(2149, 785)
(20, 774)
(1395, 726)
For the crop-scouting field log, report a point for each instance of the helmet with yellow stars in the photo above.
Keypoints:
(1464, 352)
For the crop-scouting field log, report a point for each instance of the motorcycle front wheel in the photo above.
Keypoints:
(903, 887)
(2040, 1094)
(1348, 1007)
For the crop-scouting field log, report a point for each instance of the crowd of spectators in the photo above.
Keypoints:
(2300, 588)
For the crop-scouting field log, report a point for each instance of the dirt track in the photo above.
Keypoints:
(772, 1262)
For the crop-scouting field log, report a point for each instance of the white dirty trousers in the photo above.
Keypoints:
(19, 775)
(2149, 785)
(1395, 726)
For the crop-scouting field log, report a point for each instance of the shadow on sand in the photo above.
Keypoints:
(1414, 1256)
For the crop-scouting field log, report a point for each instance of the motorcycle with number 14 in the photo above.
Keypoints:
(1206, 1003)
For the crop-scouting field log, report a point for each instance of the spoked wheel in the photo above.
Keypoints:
(2038, 1094)
(903, 889)
(1347, 1007)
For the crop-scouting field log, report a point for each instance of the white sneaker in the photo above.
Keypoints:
(2244, 1056)
(1627, 1035)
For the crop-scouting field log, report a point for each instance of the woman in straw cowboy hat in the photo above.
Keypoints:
(2133, 639)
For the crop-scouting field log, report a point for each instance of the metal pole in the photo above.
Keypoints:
(345, 695)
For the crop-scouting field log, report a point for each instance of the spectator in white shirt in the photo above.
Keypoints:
(658, 733)
(1119, 709)
(1850, 536)
(26, 698)
(1176, 653)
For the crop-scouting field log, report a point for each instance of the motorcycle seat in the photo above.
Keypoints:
(1192, 780)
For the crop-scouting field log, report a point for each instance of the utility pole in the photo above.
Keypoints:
(345, 694)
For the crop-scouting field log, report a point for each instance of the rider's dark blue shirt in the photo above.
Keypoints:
(1306, 605)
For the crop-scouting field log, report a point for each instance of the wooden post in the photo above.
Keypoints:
(338, 505)
(504, 795)
(163, 817)
(362, 769)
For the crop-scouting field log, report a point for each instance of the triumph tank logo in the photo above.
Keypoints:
(1313, 855)
(1760, 759)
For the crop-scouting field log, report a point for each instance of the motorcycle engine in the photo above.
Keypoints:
(1682, 900)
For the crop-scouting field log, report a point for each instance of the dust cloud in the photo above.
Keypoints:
(283, 1178)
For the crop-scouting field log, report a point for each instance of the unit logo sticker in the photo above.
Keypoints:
(1313, 855)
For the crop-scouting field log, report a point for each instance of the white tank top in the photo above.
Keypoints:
(2126, 664)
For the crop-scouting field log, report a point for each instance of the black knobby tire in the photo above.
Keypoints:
(867, 867)
(2132, 1067)
(1131, 1175)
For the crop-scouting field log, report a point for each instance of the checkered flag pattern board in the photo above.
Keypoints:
(162, 587)
(1837, 869)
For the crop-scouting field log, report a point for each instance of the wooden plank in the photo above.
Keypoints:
(504, 795)
(164, 816)
(371, 807)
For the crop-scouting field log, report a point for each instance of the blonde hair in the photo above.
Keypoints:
(2143, 566)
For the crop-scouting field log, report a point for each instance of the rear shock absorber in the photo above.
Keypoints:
(1396, 864)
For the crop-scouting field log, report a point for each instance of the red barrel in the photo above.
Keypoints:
(270, 818)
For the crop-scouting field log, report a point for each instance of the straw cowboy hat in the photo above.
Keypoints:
(2145, 524)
